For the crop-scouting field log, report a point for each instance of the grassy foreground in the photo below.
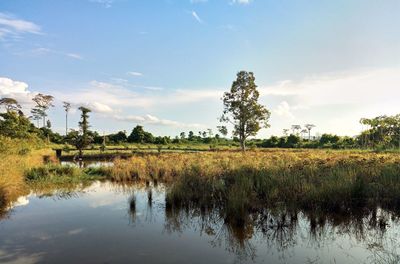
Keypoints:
(16, 157)
(237, 183)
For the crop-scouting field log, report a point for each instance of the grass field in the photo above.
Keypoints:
(236, 183)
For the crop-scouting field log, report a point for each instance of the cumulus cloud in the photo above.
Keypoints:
(10, 26)
(17, 90)
(335, 102)
(153, 120)
(8, 87)
(356, 88)
(284, 110)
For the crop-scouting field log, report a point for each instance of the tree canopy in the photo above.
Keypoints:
(242, 109)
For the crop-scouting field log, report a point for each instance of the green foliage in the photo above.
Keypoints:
(82, 138)
(241, 108)
(16, 125)
(383, 132)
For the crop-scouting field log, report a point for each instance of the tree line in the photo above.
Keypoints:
(241, 110)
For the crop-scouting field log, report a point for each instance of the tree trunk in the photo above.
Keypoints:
(243, 144)
(66, 124)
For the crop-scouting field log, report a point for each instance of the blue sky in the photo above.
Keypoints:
(166, 63)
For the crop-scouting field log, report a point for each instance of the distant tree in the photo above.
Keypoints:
(285, 132)
(37, 115)
(182, 135)
(10, 104)
(223, 130)
(303, 132)
(292, 141)
(210, 132)
(204, 134)
(191, 135)
(138, 135)
(43, 103)
(328, 139)
(15, 125)
(67, 107)
(296, 129)
(118, 137)
(309, 127)
(242, 110)
(82, 138)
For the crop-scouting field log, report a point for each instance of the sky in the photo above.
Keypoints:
(165, 64)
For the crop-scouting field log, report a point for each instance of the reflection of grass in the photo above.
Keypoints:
(16, 156)
(238, 183)
(54, 176)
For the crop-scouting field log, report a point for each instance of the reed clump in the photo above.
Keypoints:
(238, 183)
(16, 156)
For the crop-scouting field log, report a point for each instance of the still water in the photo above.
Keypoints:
(110, 223)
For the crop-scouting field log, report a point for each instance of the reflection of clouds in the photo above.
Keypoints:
(18, 257)
(21, 201)
(75, 231)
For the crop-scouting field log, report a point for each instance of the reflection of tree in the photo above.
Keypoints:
(235, 239)
(132, 208)
(279, 228)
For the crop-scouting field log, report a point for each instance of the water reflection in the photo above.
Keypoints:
(88, 163)
(108, 222)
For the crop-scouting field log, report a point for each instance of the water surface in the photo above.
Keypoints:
(111, 223)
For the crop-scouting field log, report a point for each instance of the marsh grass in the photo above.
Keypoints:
(237, 183)
(16, 156)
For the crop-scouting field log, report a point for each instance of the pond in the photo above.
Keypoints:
(112, 223)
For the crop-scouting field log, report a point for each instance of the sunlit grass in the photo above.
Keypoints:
(237, 183)
(16, 156)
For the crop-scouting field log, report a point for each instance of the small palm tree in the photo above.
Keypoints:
(309, 127)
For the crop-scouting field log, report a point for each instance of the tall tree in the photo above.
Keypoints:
(242, 110)
(10, 104)
(309, 127)
(82, 138)
(296, 129)
(285, 132)
(223, 130)
(43, 103)
(67, 107)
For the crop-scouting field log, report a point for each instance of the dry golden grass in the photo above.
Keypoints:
(15, 158)
(241, 182)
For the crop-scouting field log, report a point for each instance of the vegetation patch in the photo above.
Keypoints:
(237, 183)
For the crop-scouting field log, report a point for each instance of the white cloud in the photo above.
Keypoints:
(335, 102)
(42, 51)
(241, 2)
(74, 56)
(198, 19)
(8, 87)
(134, 73)
(356, 88)
(284, 110)
(98, 107)
(17, 90)
(153, 120)
(105, 3)
(11, 26)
